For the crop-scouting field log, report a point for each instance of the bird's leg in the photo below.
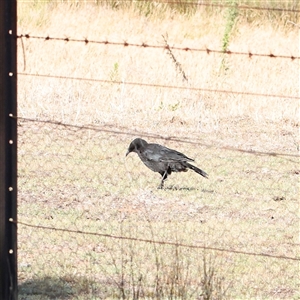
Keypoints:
(161, 186)
(164, 177)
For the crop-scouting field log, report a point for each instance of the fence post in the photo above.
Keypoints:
(8, 150)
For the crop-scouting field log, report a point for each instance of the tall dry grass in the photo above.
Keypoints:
(156, 109)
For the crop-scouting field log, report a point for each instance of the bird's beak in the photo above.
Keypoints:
(127, 153)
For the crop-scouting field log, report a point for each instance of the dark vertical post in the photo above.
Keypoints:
(8, 150)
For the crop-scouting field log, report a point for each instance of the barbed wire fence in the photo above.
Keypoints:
(92, 225)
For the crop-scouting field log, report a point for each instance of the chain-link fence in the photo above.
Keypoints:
(90, 221)
(93, 225)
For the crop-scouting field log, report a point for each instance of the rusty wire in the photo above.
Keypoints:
(176, 244)
(206, 4)
(162, 86)
(246, 7)
(164, 47)
(125, 131)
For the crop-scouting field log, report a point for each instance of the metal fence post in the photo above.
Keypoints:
(8, 149)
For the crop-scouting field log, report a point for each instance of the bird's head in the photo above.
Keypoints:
(136, 145)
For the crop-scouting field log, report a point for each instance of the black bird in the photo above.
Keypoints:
(162, 159)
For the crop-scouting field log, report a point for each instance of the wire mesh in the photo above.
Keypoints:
(75, 179)
(92, 223)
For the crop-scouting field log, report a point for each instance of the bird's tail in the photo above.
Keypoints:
(197, 170)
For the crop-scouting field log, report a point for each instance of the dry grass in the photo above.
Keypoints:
(77, 177)
(116, 104)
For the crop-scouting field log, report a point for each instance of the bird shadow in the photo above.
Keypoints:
(185, 188)
(179, 188)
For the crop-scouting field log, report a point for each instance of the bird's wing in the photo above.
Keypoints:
(151, 154)
(164, 154)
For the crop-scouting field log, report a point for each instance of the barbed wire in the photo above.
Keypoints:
(198, 3)
(165, 47)
(279, 9)
(126, 131)
(176, 244)
(161, 86)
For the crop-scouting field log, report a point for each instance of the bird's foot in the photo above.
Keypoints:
(161, 186)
